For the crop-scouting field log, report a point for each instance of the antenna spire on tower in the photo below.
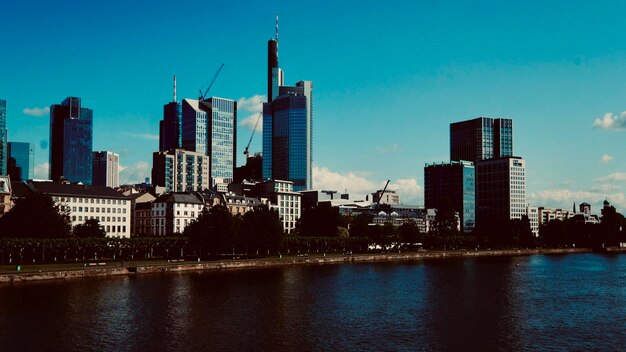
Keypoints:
(277, 28)
(174, 88)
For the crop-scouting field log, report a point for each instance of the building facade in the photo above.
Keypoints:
(21, 163)
(180, 170)
(533, 218)
(170, 128)
(5, 194)
(284, 199)
(105, 169)
(501, 190)
(3, 138)
(481, 138)
(221, 138)
(390, 196)
(71, 130)
(173, 212)
(83, 202)
(453, 182)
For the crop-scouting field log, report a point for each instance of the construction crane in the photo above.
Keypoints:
(256, 124)
(382, 193)
(203, 95)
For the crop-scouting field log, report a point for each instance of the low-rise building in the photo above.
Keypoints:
(112, 209)
(5, 194)
(172, 212)
(141, 214)
(533, 218)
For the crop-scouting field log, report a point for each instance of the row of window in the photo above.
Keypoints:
(99, 218)
(97, 210)
(89, 200)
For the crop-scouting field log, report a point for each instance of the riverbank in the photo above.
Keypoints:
(115, 269)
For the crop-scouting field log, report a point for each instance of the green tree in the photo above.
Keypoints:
(90, 228)
(409, 232)
(446, 220)
(322, 221)
(261, 230)
(359, 227)
(212, 231)
(36, 216)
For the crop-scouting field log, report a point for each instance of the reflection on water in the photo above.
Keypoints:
(573, 302)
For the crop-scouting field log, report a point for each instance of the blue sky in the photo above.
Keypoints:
(388, 81)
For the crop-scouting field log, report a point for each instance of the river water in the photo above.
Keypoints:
(565, 302)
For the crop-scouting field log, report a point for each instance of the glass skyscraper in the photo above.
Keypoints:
(21, 162)
(221, 138)
(3, 137)
(287, 127)
(481, 138)
(170, 128)
(71, 136)
(453, 182)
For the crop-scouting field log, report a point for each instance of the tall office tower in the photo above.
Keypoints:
(452, 182)
(21, 162)
(106, 169)
(221, 138)
(287, 127)
(170, 128)
(179, 170)
(500, 190)
(194, 131)
(3, 137)
(71, 132)
(481, 138)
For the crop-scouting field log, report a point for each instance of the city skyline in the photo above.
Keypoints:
(388, 84)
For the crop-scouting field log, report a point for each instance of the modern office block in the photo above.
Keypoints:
(221, 143)
(3, 137)
(501, 190)
(452, 182)
(481, 138)
(21, 164)
(180, 170)
(194, 128)
(170, 128)
(71, 131)
(105, 169)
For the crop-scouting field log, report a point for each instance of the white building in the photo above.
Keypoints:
(110, 208)
(172, 212)
(533, 217)
(105, 169)
(282, 198)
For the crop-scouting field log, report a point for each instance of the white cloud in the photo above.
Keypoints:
(152, 137)
(606, 158)
(251, 121)
(614, 177)
(611, 121)
(409, 189)
(605, 187)
(41, 171)
(135, 173)
(390, 149)
(252, 104)
(37, 112)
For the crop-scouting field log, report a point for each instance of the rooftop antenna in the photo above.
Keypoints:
(174, 88)
(277, 28)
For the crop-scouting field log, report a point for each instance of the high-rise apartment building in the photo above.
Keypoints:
(21, 162)
(180, 170)
(71, 132)
(481, 138)
(3, 137)
(501, 190)
(287, 127)
(105, 169)
(455, 183)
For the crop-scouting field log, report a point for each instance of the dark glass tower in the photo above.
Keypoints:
(481, 138)
(3, 137)
(170, 128)
(71, 132)
(455, 183)
(21, 162)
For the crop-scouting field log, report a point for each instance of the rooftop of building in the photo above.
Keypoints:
(21, 189)
(179, 197)
(450, 163)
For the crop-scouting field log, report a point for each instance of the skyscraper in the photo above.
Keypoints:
(21, 162)
(170, 128)
(105, 169)
(71, 132)
(452, 182)
(3, 137)
(209, 127)
(500, 190)
(287, 127)
(481, 138)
